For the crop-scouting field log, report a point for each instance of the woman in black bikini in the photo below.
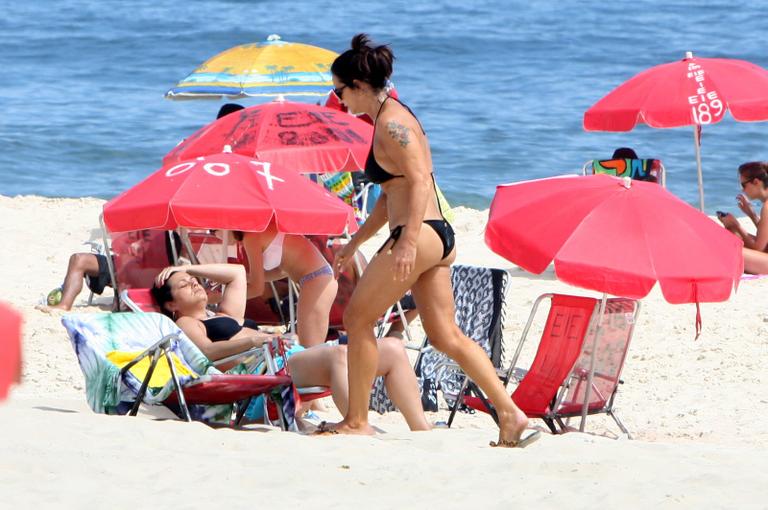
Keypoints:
(413, 257)
(226, 333)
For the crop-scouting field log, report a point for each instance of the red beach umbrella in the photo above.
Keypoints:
(690, 92)
(10, 348)
(230, 192)
(615, 236)
(303, 137)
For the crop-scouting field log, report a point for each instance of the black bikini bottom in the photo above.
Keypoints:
(441, 227)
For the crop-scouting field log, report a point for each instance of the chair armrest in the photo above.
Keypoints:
(254, 351)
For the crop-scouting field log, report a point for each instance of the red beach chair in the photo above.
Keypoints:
(554, 387)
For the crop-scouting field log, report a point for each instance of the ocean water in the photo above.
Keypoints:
(500, 86)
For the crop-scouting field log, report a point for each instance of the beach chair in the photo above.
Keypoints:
(651, 170)
(129, 359)
(137, 257)
(479, 294)
(554, 388)
(139, 300)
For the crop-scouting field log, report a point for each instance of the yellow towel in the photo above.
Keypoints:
(445, 207)
(162, 373)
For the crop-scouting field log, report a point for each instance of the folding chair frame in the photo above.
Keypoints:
(162, 349)
(111, 265)
(469, 387)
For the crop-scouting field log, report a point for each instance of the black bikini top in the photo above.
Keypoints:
(223, 328)
(373, 171)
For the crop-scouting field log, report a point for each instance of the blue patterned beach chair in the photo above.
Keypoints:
(133, 358)
(479, 294)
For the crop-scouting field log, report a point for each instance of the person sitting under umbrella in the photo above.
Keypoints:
(89, 266)
(272, 255)
(225, 333)
(753, 177)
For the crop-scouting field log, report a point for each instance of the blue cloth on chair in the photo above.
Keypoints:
(479, 293)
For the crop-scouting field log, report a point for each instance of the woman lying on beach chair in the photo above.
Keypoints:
(225, 333)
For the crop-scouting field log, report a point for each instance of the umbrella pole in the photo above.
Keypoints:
(591, 376)
(697, 145)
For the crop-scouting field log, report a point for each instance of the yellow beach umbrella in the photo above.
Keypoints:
(268, 69)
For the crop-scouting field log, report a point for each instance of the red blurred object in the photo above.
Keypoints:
(229, 192)
(302, 137)
(334, 103)
(683, 93)
(615, 236)
(10, 348)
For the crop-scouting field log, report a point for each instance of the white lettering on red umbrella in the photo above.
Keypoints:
(705, 106)
(211, 169)
(266, 173)
(179, 169)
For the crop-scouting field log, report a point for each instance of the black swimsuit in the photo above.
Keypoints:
(378, 175)
(221, 328)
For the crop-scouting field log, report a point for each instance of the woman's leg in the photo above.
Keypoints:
(376, 291)
(401, 383)
(313, 309)
(755, 262)
(434, 299)
(323, 365)
(326, 365)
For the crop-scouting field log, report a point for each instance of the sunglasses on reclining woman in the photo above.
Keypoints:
(339, 91)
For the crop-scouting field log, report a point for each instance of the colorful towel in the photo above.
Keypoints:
(162, 373)
(638, 169)
(94, 336)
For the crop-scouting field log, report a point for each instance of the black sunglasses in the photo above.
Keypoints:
(339, 90)
(744, 183)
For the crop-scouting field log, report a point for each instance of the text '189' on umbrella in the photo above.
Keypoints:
(690, 92)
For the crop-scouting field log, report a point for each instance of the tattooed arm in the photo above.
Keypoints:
(406, 150)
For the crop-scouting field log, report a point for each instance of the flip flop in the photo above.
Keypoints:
(520, 443)
(324, 430)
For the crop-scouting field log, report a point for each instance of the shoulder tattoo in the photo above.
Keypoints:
(399, 133)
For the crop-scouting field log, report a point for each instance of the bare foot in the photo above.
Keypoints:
(512, 426)
(51, 310)
(363, 429)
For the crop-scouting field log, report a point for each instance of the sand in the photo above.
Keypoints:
(694, 408)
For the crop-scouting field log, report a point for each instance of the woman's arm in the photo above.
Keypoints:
(730, 222)
(373, 223)
(407, 152)
(256, 277)
(760, 241)
(746, 207)
(231, 275)
(195, 330)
